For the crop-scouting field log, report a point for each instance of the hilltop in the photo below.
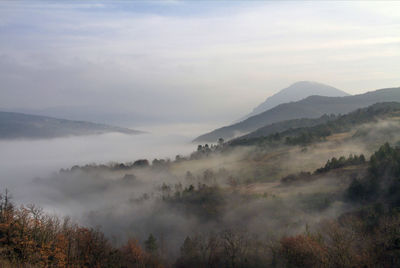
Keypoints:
(296, 92)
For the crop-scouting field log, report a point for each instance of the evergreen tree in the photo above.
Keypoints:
(151, 244)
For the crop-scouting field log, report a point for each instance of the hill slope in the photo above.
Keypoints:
(18, 125)
(332, 125)
(286, 125)
(311, 107)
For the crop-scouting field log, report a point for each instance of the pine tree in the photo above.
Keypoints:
(151, 244)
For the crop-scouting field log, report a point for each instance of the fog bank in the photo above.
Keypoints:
(23, 160)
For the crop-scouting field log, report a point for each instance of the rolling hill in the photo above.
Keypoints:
(311, 107)
(18, 125)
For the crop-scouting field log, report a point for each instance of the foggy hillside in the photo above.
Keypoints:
(296, 92)
(170, 211)
(308, 178)
(311, 107)
(17, 125)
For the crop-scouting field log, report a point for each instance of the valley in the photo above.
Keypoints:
(199, 134)
(272, 188)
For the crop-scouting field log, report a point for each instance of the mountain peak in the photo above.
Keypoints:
(312, 86)
(295, 92)
(305, 82)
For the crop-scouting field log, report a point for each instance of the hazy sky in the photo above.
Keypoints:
(199, 60)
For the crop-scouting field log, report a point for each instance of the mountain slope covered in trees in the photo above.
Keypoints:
(332, 125)
(311, 107)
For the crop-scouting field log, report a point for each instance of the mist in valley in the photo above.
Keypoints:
(241, 188)
(193, 134)
(41, 157)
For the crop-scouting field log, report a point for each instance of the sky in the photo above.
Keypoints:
(188, 61)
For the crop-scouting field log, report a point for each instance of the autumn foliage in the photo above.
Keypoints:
(303, 251)
(30, 238)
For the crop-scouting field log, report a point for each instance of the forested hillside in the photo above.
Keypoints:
(332, 125)
(328, 201)
(311, 107)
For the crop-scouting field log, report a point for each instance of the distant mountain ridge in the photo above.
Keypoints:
(19, 125)
(296, 92)
(311, 107)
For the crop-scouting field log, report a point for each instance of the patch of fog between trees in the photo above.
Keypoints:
(129, 202)
(22, 160)
(134, 207)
